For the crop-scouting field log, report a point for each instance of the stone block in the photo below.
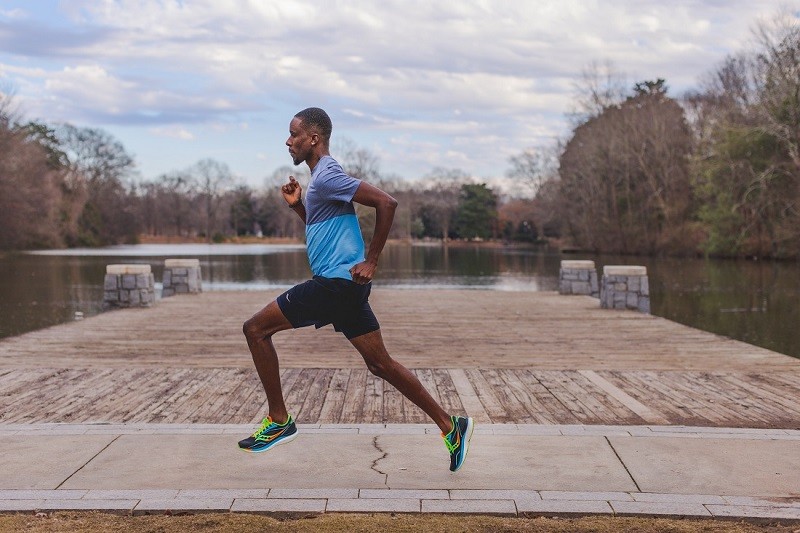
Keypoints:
(578, 277)
(181, 276)
(127, 269)
(625, 287)
(143, 281)
(129, 281)
(491, 507)
(128, 285)
(374, 505)
(244, 505)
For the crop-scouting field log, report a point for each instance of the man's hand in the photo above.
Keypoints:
(363, 272)
(292, 191)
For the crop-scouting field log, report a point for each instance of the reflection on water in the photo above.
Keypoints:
(756, 302)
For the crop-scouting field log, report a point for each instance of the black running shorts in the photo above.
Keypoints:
(322, 301)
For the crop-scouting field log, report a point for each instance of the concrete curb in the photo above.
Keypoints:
(458, 501)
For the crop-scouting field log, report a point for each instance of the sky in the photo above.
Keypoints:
(420, 84)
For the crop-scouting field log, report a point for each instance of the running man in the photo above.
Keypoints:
(339, 291)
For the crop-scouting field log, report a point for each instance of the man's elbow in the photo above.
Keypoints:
(389, 203)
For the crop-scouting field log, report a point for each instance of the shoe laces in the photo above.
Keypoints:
(451, 446)
(265, 425)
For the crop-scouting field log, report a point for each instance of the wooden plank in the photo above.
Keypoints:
(354, 396)
(315, 399)
(738, 405)
(537, 412)
(762, 391)
(645, 387)
(470, 401)
(644, 412)
(514, 409)
(332, 408)
(295, 396)
(555, 382)
(372, 411)
(491, 404)
(449, 395)
(553, 407)
(394, 411)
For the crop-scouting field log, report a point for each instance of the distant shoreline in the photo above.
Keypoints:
(173, 239)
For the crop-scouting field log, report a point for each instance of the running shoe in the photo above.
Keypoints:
(457, 441)
(269, 434)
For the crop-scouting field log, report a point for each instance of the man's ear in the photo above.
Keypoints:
(314, 138)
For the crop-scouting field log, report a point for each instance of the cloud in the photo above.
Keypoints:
(174, 132)
(14, 14)
(412, 79)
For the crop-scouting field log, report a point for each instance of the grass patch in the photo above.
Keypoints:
(95, 522)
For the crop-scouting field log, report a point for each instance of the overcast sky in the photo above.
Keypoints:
(459, 84)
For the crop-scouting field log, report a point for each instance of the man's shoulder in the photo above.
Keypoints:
(328, 165)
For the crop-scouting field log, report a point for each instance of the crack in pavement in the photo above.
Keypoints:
(376, 461)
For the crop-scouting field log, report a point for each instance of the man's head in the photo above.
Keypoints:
(318, 119)
(309, 136)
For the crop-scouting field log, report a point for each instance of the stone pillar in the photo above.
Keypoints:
(181, 276)
(578, 277)
(128, 286)
(625, 287)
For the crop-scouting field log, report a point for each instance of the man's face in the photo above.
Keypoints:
(301, 141)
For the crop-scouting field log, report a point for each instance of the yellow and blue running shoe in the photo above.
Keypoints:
(270, 434)
(457, 441)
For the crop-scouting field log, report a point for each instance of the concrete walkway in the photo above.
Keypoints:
(515, 469)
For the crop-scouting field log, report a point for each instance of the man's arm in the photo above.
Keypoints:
(293, 194)
(385, 206)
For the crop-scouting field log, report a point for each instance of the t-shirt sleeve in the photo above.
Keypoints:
(336, 185)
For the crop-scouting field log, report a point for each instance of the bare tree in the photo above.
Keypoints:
(213, 179)
(442, 196)
(29, 189)
(624, 176)
(533, 167)
(600, 86)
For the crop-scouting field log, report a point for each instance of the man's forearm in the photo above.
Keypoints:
(300, 210)
(384, 217)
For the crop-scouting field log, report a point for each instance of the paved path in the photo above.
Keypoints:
(513, 469)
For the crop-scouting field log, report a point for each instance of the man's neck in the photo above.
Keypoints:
(314, 159)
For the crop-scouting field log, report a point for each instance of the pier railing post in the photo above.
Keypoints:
(128, 286)
(625, 287)
(181, 276)
(578, 277)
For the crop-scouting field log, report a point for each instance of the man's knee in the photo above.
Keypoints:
(377, 369)
(251, 329)
(265, 323)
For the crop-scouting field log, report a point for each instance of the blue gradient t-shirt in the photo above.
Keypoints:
(333, 236)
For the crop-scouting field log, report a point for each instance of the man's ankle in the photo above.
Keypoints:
(280, 420)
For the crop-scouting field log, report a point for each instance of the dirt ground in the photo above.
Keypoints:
(93, 522)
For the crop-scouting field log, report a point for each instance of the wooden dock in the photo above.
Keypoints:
(502, 357)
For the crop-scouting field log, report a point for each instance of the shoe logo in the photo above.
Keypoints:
(268, 438)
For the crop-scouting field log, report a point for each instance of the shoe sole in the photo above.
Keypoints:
(470, 429)
(278, 442)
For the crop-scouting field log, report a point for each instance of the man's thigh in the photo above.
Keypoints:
(268, 321)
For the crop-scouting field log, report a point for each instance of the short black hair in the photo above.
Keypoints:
(316, 117)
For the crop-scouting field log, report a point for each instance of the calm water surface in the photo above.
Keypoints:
(756, 302)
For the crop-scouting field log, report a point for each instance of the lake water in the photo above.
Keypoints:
(757, 302)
